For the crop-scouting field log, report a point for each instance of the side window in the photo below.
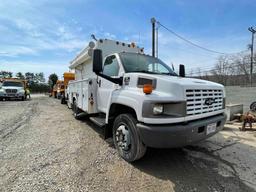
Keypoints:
(111, 67)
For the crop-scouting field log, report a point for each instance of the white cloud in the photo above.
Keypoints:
(32, 30)
(109, 35)
(58, 67)
(14, 51)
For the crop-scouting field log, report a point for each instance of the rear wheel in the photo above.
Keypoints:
(75, 109)
(63, 101)
(126, 138)
(253, 106)
(69, 104)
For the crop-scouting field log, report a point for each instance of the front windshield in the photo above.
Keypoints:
(134, 62)
(12, 84)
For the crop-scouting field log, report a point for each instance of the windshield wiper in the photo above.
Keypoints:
(143, 71)
(171, 74)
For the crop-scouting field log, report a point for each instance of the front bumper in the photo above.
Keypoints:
(179, 135)
(13, 95)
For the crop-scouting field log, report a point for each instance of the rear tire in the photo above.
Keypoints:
(127, 139)
(63, 101)
(253, 106)
(75, 110)
(69, 104)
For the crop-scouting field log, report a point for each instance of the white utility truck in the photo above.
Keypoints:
(13, 89)
(139, 101)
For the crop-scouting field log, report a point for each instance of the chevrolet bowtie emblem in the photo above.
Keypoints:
(209, 101)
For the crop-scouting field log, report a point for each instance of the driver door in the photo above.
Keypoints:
(105, 87)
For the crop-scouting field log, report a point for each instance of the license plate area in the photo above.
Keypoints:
(211, 128)
(11, 95)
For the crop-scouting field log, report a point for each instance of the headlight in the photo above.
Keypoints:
(155, 109)
(21, 91)
(158, 109)
(2, 91)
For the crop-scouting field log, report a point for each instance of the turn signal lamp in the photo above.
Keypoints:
(147, 88)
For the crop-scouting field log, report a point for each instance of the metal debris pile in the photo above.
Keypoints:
(247, 120)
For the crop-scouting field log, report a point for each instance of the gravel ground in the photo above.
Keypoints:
(43, 148)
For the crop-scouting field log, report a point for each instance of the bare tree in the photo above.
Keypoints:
(222, 69)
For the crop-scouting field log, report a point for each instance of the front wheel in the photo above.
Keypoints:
(253, 106)
(126, 138)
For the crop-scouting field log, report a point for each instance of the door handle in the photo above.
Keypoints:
(99, 83)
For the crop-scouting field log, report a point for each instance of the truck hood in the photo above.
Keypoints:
(174, 86)
(12, 87)
(188, 82)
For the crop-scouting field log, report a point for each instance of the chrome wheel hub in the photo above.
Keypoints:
(123, 138)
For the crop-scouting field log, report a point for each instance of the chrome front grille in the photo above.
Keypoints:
(11, 90)
(201, 101)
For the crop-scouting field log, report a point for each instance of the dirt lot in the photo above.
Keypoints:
(43, 148)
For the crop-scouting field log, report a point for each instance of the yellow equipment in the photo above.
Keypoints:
(60, 86)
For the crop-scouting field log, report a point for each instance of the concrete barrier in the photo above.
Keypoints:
(232, 109)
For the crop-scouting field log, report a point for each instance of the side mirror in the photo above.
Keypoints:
(182, 70)
(97, 61)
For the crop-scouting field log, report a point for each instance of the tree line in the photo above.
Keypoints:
(229, 70)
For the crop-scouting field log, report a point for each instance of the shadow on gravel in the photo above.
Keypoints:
(186, 173)
(84, 119)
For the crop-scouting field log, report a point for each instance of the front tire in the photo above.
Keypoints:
(126, 138)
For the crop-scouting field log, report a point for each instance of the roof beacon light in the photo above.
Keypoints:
(133, 44)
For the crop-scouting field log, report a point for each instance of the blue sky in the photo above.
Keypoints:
(44, 36)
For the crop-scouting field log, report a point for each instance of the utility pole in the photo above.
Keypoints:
(153, 22)
(253, 31)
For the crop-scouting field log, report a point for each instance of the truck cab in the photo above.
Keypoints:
(67, 76)
(141, 102)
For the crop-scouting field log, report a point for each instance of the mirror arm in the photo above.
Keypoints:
(113, 80)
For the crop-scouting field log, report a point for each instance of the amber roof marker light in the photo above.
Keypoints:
(147, 88)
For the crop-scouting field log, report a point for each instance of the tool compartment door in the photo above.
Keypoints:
(85, 87)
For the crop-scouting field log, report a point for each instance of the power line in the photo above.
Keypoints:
(210, 67)
(190, 42)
